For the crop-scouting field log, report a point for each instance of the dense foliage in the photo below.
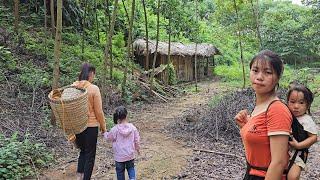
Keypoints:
(19, 159)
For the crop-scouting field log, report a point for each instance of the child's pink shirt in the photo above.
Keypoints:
(125, 141)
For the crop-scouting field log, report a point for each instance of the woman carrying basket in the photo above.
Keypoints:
(87, 140)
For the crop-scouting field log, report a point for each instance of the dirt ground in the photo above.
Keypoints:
(162, 157)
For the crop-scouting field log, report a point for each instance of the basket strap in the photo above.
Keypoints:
(63, 123)
(63, 118)
(87, 85)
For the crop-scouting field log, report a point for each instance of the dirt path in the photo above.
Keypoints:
(161, 157)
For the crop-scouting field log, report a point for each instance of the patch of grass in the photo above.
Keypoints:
(192, 89)
(109, 123)
(231, 73)
(215, 100)
(316, 104)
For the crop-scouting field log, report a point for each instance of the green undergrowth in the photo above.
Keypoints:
(22, 158)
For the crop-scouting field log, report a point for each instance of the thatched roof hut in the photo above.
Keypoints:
(176, 48)
(181, 55)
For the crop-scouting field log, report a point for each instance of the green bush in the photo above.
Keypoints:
(231, 73)
(18, 159)
(7, 62)
(172, 74)
(302, 75)
(34, 77)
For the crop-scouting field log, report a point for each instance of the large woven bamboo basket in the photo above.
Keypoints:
(70, 108)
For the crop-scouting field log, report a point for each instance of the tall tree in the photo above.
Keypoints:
(107, 24)
(57, 44)
(167, 7)
(16, 16)
(45, 26)
(97, 21)
(53, 29)
(83, 26)
(240, 42)
(173, 15)
(255, 14)
(129, 49)
(57, 52)
(157, 42)
(196, 50)
(147, 35)
(107, 50)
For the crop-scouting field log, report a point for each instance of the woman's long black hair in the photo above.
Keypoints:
(86, 69)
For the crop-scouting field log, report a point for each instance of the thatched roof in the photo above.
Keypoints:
(203, 49)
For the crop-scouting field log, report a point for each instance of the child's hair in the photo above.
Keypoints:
(86, 68)
(119, 114)
(307, 94)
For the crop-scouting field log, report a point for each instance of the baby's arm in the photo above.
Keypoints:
(304, 144)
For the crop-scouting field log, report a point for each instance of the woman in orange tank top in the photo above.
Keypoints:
(265, 131)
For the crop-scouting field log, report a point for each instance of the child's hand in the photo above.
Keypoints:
(105, 134)
(242, 118)
(294, 143)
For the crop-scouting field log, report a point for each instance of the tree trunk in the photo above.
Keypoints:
(45, 27)
(107, 50)
(195, 67)
(255, 12)
(97, 21)
(126, 12)
(128, 20)
(240, 43)
(195, 54)
(57, 46)
(169, 51)
(53, 29)
(169, 43)
(147, 36)
(83, 29)
(107, 16)
(155, 53)
(129, 49)
(57, 43)
(16, 16)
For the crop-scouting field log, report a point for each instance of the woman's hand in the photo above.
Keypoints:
(242, 118)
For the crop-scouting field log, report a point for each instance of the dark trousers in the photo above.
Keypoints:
(87, 142)
(252, 177)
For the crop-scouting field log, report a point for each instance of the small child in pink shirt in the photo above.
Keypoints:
(125, 141)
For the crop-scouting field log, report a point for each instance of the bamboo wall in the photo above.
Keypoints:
(184, 67)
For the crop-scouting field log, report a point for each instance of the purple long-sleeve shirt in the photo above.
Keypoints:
(125, 141)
